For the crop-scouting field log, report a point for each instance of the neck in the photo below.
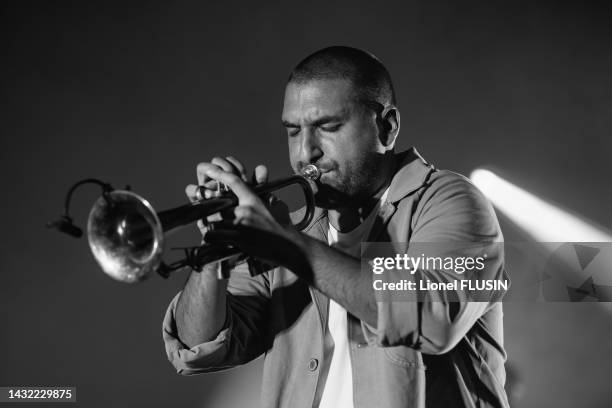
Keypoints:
(345, 219)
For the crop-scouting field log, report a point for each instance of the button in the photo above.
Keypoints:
(313, 364)
(362, 345)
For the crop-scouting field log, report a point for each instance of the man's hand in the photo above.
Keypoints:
(211, 188)
(255, 228)
(252, 211)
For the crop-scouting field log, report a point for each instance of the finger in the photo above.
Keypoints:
(261, 174)
(201, 169)
(212, 221)
(225, 165)
(241, 169)
(197, 193)
(243, 214)
(280, 211)
(192, 192)
(210, 185)
(245, 195)
(202, 227)
(214, 217)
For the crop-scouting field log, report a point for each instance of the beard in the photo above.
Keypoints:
(352, 186)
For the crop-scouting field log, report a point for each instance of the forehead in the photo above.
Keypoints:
(310, 100)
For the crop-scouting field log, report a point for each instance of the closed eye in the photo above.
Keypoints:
(292, 130)
(330, 127)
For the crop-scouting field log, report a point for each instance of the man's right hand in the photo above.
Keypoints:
(210, 188)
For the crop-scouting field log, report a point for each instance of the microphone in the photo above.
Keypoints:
(64, 224)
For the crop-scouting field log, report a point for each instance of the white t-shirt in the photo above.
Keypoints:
(338, 391)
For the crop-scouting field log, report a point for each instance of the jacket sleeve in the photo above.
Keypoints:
(453, 220)
(240, 340)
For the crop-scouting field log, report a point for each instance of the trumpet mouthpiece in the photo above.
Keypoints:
(311, 172)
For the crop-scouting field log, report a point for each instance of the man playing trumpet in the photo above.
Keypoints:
(327, 340)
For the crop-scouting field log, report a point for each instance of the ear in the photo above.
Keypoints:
(389, 126)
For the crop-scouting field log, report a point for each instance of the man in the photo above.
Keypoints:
(328, 340)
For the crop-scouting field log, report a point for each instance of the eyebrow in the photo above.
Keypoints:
(319, 121)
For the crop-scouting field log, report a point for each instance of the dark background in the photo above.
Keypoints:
(139, 94)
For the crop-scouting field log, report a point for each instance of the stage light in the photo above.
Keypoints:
(544, 221)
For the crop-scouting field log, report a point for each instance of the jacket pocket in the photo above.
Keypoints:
(404, 356)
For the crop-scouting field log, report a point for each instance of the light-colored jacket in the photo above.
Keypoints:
(435, 353)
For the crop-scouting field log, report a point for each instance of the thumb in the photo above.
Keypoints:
(260, 175)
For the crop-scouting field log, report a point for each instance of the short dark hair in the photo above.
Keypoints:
(369, 77)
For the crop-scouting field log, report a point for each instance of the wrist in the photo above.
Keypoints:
(300, 240)
(309, 251)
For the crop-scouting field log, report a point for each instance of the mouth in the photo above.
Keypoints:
(327, 177)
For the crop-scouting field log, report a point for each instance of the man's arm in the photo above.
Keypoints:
(200, 309)
(236, 339)
(451, 210)
(215, 324)
(338, 276)
(452, 213)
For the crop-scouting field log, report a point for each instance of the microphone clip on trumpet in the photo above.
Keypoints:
(126, 235)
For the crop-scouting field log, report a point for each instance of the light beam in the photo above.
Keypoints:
(544, 221)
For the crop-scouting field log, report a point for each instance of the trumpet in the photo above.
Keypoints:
(126, 235)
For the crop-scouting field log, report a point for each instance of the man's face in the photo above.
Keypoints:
(328, 127)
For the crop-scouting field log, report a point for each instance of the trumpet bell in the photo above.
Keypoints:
(125, 236)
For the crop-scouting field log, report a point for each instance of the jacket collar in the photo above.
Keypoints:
(412, 173)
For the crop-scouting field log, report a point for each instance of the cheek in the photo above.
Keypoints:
(356, 143)
(293, 150)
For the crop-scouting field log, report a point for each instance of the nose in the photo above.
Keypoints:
(310, 148)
